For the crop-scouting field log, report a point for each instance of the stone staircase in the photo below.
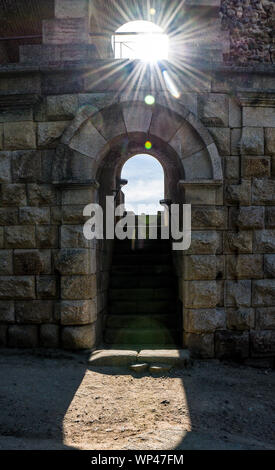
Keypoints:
(143, 301)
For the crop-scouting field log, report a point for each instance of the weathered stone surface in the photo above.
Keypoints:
(3, 336)
(81, 196)
(113, 357)
(175, 357)
(7, 311)
(78, 287)
(263, 292)
(73, 215)
(245, 218)
(17, 287)
(205, 242)
(77, 312)
(29, 262)
(221, 136)
(235, 113)
(14, 195)
(200, 294)
(255, 115)
(264, 241)
(209, 217)
(252, 141)
(238, 293)
(72, 261)
(49, 133)
(236, 135)
(238, 193)
(8, 216)
(213, 109)
(62, 107)
(270, 141)
(71, 9)
(229, 344)
(6, 263)
(270, 217)
(242, 266)
(263, 343)
(238, 242)
(256, 167)
(269, 265)
(18, 135)
(203, 320)
(263, 191)
(232, 167)
(65, 31)
(49, 336)
(26, 166)
(199, 267)
(265, 318)
(200, 345)
(23, 336)
(47, 236)
(5, 167)
(240, 318)
(41, 194)
(1, 136)
(78, 337)
(34, 215)
(35, 311)
(1, 237)
(72, 237)
(20, 236)
(46, 287)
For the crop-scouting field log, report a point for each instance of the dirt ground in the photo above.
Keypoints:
(59, 403)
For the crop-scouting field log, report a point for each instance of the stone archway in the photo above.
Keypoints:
(87, 164)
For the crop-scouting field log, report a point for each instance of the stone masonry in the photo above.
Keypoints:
(67, 124)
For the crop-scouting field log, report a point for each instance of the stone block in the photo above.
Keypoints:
(7, 311)
(46, 287)
(252, 141)
(200, 294)
(77, 312)
(263, 192)
(34, 215)
(265, 318)
(16, 114)
(241, 318)
(14, 195)
(28, 83)
(47, 236)
(248, 218)
(49, 336)
(23, 336)
(5, 167)
(221, 136)
(263, 293)
(236, 135)
(6, 264)
(262, 343)
(209, 217)
(20, 236)
(73, 215)
(270, 141)
(205, 242)
(255, 115)
(56, 215)
(8, 216)
(214, 109)
(19, 135)
(256, 167)
(238, 293)
(1, 237)
(26, 166)
(238, 193)
(72, 261)
(71, 9)
(19, 287)
(3, 336)
(35, 311)
(244, 266)
(235, 113)
(78, 287)
(232, 345)
(269, 266)
(49, 133)
(270, 217)
(199, 267)
(264, 241)
(81, 196)
(65, 31)
(29, 262)
(78, 337)
(200, 345)
(1, 136)
(203, 320)
(72, 237)
(232, 167)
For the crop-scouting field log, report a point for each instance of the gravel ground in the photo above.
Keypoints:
(59, 403)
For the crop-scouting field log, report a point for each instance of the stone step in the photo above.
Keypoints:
(162, 293)
(135, 280)
(156, 269)
(142, 321)
(121, 307)
(125, 357)
(142, 335)
(134, 259)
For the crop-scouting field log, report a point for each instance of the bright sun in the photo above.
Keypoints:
(141, 40)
